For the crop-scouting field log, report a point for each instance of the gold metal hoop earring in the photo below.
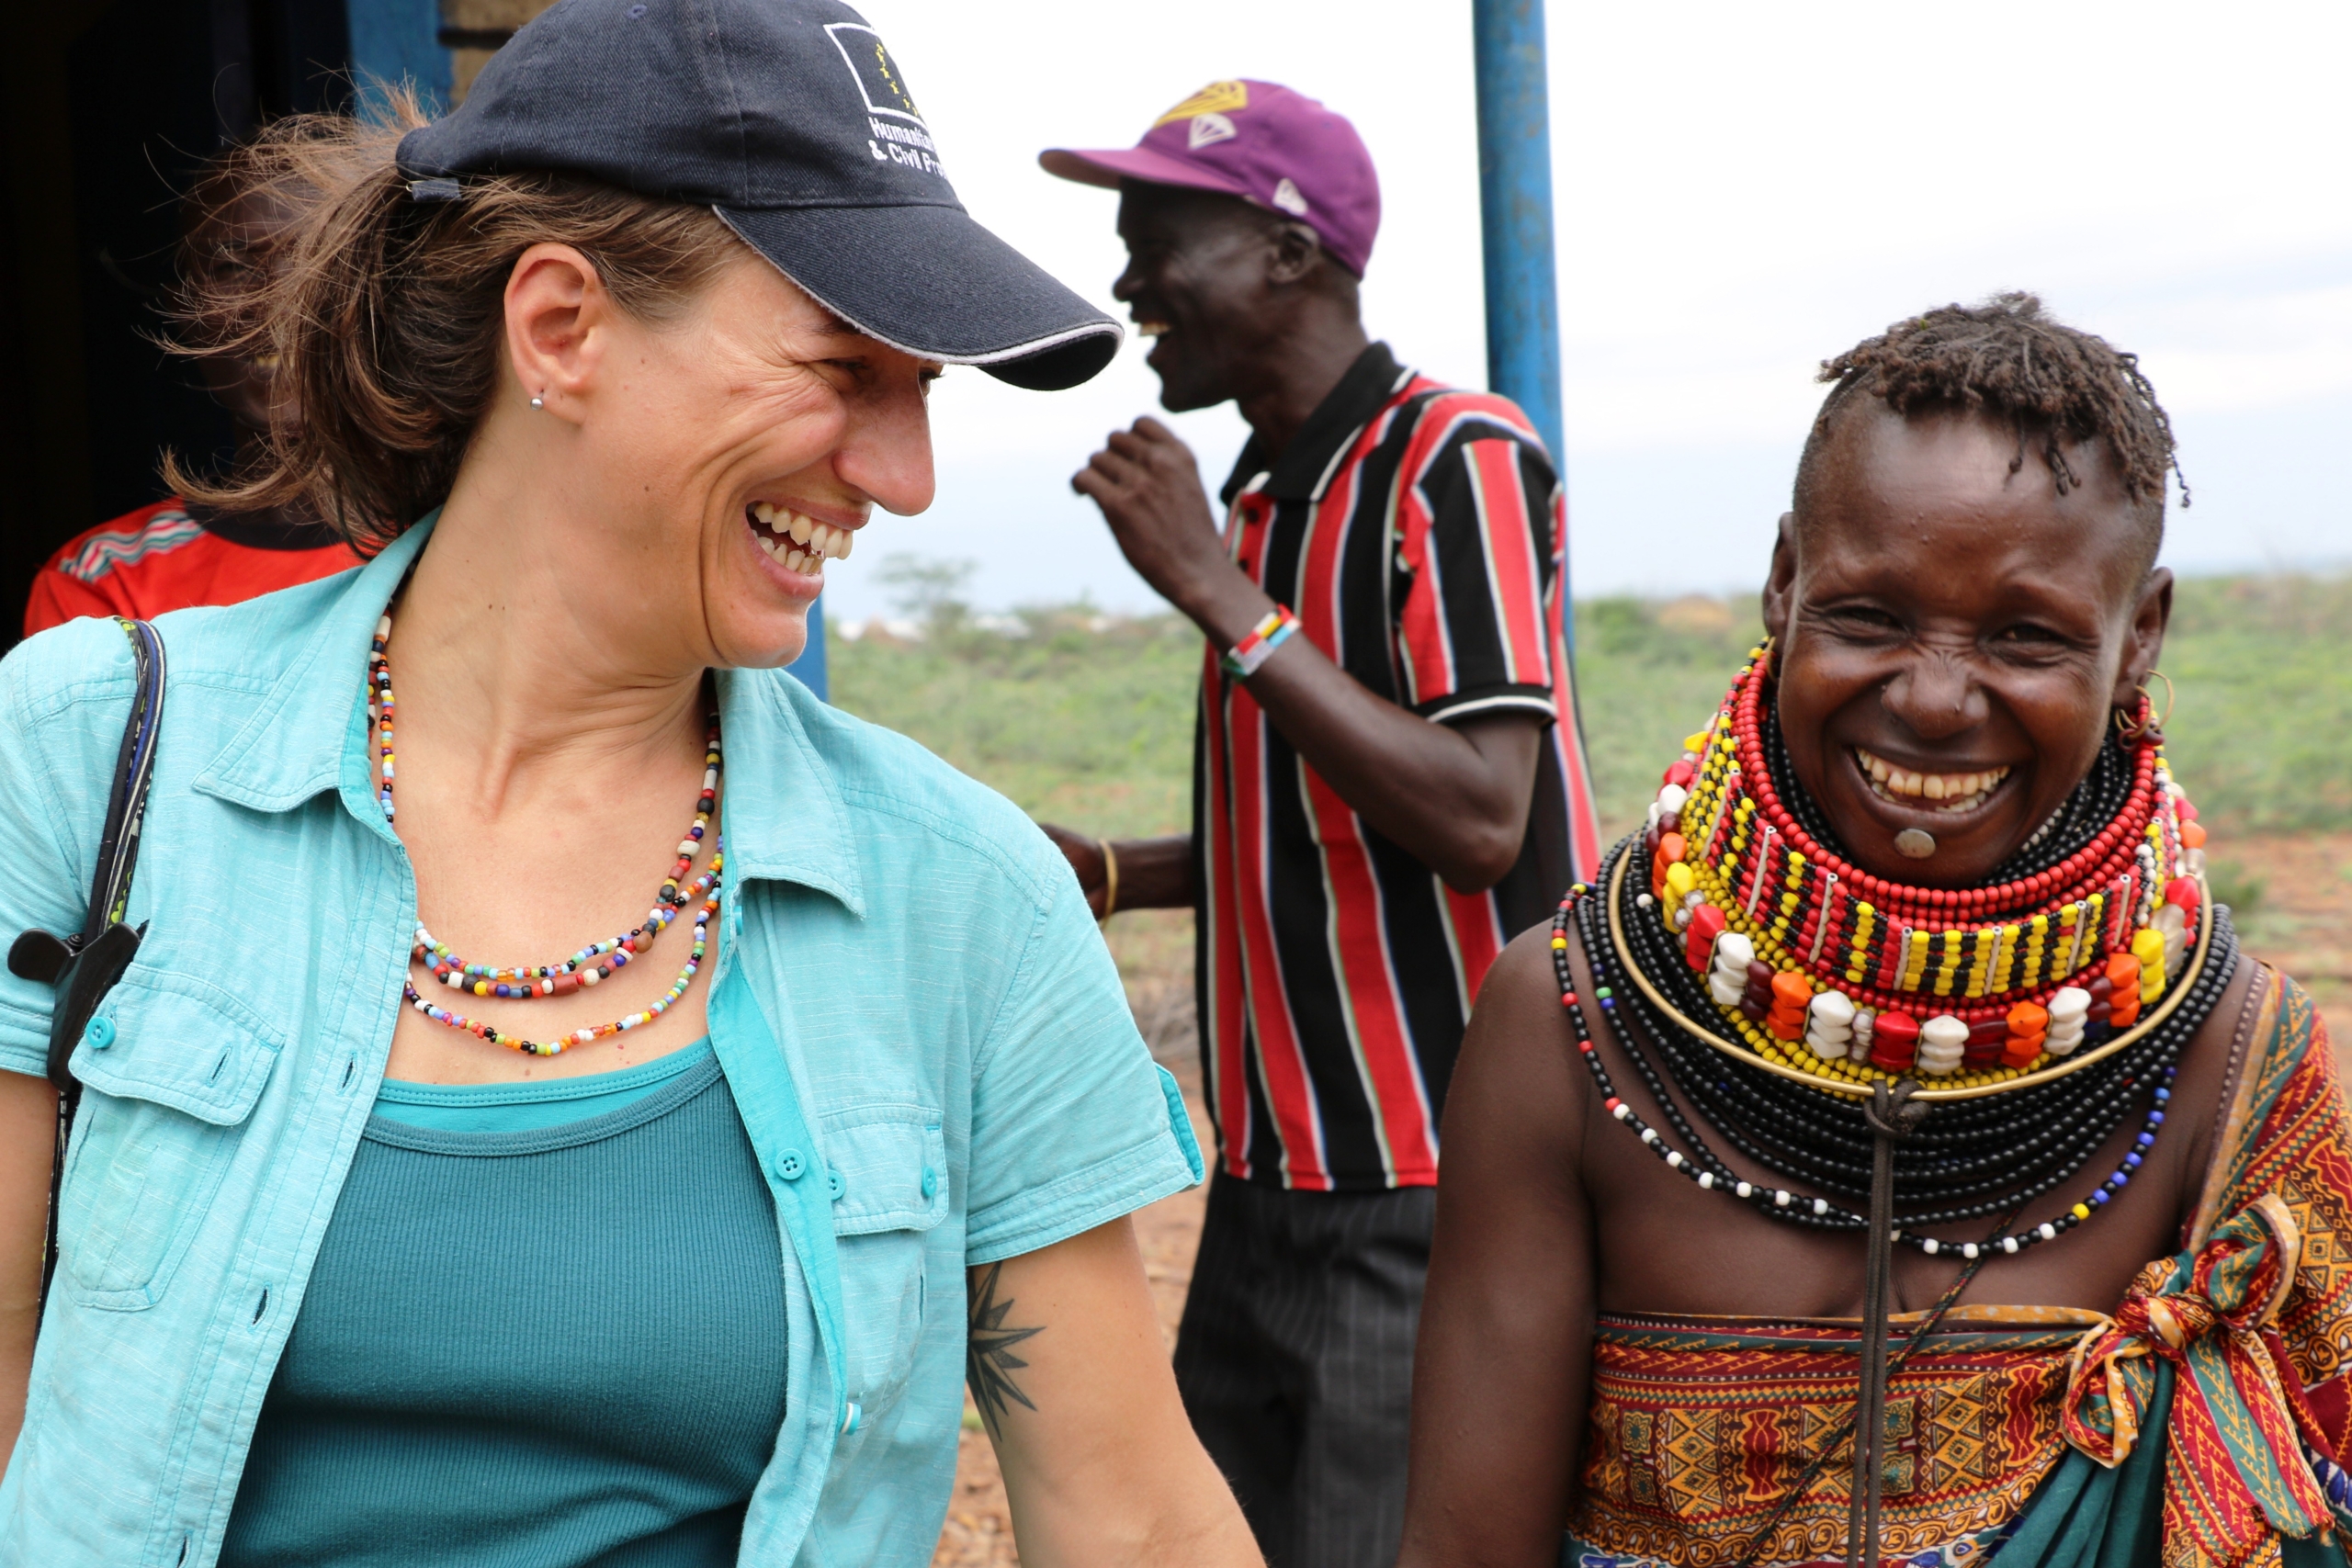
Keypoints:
(2134, 727)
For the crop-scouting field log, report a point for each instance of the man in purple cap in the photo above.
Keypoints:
(1387, 760)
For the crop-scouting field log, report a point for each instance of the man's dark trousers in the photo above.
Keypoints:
(1295, 1362)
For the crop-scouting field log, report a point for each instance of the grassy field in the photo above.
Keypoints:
(1090, 721)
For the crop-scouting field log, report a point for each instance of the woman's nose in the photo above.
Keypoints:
(885, 451)
(1935, 694)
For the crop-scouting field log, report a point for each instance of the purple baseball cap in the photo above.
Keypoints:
(1262, 142)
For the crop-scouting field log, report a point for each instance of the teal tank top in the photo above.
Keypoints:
(546, 1330)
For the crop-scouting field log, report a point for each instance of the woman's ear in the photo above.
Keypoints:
(1780, 583)
(2143, 640)
(558, 319)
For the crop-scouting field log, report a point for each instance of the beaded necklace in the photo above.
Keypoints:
(1819, 965)
(2053, 997)
(592, 963)
(2000, 1138)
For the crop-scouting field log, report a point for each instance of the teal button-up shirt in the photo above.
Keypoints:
(921, 1028)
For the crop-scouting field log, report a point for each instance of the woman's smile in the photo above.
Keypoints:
(795, 540)
(1947, 794)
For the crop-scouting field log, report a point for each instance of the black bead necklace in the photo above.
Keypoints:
(1970, 1160)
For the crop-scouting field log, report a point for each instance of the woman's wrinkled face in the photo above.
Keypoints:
(1953, 636)
(747, 440)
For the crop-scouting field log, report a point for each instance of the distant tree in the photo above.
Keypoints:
(929, 592)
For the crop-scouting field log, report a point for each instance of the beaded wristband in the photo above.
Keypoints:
(1255, 649)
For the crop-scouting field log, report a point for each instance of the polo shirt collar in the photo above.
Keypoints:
(1306, 466)
(783, 815)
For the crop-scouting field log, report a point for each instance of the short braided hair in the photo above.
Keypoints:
(2009, 360)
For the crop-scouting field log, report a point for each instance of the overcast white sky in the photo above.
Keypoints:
(1740, 192)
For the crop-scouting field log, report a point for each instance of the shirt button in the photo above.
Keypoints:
(99, 1032)
(929, 1182)
(789, 1165)
(837, 1184)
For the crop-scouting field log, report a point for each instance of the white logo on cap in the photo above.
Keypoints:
(1206, 128)
(1286, 197)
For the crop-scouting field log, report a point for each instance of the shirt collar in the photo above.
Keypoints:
(1304, 466)
(306, 737)
(783, 816)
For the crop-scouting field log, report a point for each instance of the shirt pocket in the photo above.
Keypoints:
(170, 1067)
(888, 1173)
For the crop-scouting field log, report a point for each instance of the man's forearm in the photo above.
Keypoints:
(1155, 874)
(1454, 797)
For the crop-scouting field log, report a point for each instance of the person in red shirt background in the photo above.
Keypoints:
(170, 554)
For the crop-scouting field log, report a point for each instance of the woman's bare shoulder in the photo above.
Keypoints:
(1517, 1086)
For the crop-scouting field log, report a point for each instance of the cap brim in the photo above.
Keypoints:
(1107, 167)
(931, 282)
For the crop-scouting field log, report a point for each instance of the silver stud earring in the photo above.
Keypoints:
(538, 401)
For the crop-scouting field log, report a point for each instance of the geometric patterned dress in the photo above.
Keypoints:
(2205, 1423)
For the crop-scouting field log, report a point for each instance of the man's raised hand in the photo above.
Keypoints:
(1148, 487)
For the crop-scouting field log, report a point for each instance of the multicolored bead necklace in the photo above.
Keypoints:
(592, 963)
(1998, 1139)
(1820, 966)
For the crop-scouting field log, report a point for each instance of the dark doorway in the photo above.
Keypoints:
(110, 105)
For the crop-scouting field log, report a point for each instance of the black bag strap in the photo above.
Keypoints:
(85, 966)
(134, 769)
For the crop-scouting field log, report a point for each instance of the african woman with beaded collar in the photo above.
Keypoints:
(1861, 1085)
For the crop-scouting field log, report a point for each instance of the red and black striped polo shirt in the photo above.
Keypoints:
(1415, 531)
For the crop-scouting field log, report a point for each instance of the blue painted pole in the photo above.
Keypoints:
(1523, 307)
(811, 665)
(394, 41)
(1515, 212)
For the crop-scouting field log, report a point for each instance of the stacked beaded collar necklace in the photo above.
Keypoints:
(592, 963)
(1775, 983)
(1819, 965)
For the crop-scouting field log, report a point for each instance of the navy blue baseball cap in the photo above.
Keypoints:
(792, 121)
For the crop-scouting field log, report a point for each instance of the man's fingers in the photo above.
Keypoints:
(1134, 447)
(1119, 467)
(1151, 429)
(1106, 476)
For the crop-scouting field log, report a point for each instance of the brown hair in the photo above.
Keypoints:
(386, 313)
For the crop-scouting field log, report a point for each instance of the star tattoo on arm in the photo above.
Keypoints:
(989, 1360)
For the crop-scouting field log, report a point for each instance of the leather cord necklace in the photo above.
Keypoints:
(1892, 1115)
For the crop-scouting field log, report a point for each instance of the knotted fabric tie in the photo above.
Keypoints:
(2237, 1477)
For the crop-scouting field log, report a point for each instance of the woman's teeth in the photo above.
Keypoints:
(1151, 329)
(1950, 792)
(800, 543)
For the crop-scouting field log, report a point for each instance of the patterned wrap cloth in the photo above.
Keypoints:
(2238, 1347)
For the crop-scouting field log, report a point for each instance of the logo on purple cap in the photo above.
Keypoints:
(1206, 128)
(1218, 98)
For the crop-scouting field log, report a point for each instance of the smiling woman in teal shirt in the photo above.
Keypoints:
(428, 1201)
